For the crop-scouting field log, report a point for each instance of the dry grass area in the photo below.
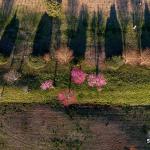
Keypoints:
(145, 58)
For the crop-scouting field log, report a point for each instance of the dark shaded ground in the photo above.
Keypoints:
(42, 40)
(8, 39)
(41, 127)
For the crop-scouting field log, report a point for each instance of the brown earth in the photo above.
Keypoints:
(39, 127)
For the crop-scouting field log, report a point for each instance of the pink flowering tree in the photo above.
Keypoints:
(67, 97)
(77, 76)
(47, 85)
(97, 81)
(63, 56)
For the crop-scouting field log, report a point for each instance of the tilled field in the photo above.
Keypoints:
(40, 127)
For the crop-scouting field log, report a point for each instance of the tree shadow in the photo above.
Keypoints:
(72, 13)
(113, 35)
(145, 37)
(9, 36)
(71, 21)
(137, 12)
(43, 37)
(78, 39)
(5, 11)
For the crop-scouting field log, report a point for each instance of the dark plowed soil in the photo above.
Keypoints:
(40, 127)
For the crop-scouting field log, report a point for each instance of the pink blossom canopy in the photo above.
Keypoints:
(67, 97)
(78, 76)
(96, 80)
(48, 84)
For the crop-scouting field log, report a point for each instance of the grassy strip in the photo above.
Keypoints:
(126, 86)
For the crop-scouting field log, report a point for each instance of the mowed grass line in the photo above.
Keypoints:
(125, 95)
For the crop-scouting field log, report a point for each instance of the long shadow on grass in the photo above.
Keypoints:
(113, 35)
(9, 37)
(145, 37)
(43, 37)
(77, 37)
(5, 12)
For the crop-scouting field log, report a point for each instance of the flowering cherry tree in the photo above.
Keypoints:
(67, 97)
(11, 76)
(97, 81)
(46, 85)
(64, 55)
(78, 76)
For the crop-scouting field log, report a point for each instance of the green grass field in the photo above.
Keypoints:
(127, 85)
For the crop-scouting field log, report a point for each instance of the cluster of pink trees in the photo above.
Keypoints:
(76, 76)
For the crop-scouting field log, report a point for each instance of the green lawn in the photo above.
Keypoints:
(126, 86)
